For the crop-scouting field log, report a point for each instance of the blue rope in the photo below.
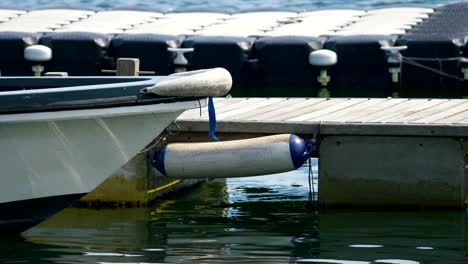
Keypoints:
(212, 118)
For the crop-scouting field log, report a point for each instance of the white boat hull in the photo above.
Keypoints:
(69, 153)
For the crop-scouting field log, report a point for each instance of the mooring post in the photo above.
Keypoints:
(128, 67)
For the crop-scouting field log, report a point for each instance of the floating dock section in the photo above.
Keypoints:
(266, 51)
(372, 152)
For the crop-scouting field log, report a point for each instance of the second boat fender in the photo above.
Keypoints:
(237, 158)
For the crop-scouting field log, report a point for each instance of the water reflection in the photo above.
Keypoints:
(17, 249)
(255, 220)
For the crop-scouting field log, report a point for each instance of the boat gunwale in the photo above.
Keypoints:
(128, 89)
(126, 80)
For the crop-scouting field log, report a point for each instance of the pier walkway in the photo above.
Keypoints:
(372, 152)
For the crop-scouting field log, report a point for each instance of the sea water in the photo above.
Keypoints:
(221, 4)
(265, 219)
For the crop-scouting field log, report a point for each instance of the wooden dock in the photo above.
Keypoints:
(372, 152)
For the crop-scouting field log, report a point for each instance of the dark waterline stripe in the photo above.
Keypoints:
(18, 216)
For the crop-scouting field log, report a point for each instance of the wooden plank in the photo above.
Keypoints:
(463, 121)
(219, 103)
(248, 108)
(457, 118)
(240, 104)
(270, 108)
(231, 103)
(350, 112)
(364, 114)
(327, 110)
(369, 116)
(225, 106)
(282, 110)
(415, 117)
(291, 111)
(445, 114)
(401, 116)
(391, 112)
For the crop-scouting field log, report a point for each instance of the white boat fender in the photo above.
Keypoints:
(200, 83)
(237, 158)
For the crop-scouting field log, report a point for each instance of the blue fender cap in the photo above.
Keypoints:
(298, 150)
(157, 160)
